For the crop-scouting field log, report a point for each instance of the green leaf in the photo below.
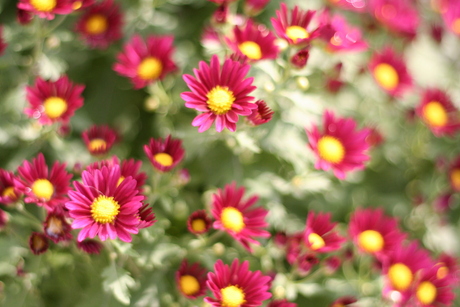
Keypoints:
(118, 282)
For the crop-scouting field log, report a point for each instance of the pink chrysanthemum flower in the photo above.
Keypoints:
(104, 208)
(320, 235)
(451, 16)
(448, 268)
(344, 301)
(373, 232)
(254, 41)
(164, 155)
(101, 24)
(38, 243)
(81, 4)
(237, 217)
(2, 42)
(146, 61)
(146, 216)
(293, 26)
(56, 227)
(438, 112)
(390, 72)
(281, 303)
(262, 115)
(340, 146)
(44, 188)
(198, 222)
(46, 8)
(90, 246)
(254, 7)
(9, 193)
(454, 175)
(53, 101)
(99, 139)
(353, 5)
(191, 279)
(220, 92)
(398, 16)
(300, 58)
(236, 286)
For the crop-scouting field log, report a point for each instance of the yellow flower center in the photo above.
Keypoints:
(331, 149)
(336, 40)
(96, 24)
(104, 209)
(232, 296)
(38, 243)
(189, 284)
(54, 226)
(220, 100)
(455, 178)
(251, 50)
(163, 159)
(150, 68)
(9, 192)
(435, 114)
(120, 180)
(198, 225)
(426, 292)
(43, 5)
(296, 33)
(400, 276)
(371, 241)
(97, 145)
(76, 5)
(316, 241)
(42, 188)
(386, 76)
(232, 219)
(456, 26)
(442, 272)
(54, 107)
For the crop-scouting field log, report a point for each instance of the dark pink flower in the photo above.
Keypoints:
(9, 193)
(2, 42)
(99, 139)
(300, 59)
(451, 16)
(164, 155)
(320, 235)
(262, 115)
(399, 16)
(454, 175)
(146, 216)
(56, 227)
(191, 279)
(38, 243)
(198, 222)
(254, 7)
(46, 8)
(281, 303)
(429, 290)
(90, 246)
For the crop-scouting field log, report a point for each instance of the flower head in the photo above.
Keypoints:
(9, 193)
(90, 246)
(236, 286)
(221, 93)
(454, 175)
(262, 115)
(320, 235)
(164, 155)
(198, 222)
(146, 61)
(254, 7)
(46, 8)
(38, 243)
(429, 290)
(340, 146)
(398, 16)
(191, 279)
(53, 101)
(99, 139)
(56, 227)
(146, 216)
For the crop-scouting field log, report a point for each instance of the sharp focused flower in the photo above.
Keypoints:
(221, 93)
(191, 279)
(398, 16)
(101, 24)
(454, 175)
(237, 217)
(56, 227)
(99, 139)
(320, 235)
(262, 115)
(38, 243)
(53, 101)
(9, 193)
(390, 72)
(146, 61)
(46, 8)
(42, 187)
(104, 208)
(198, 222)
(438, 112)
(340, 147)
(254, 41)
(164, 155)
(236, 286)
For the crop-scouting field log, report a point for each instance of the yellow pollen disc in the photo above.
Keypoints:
(371, 241)
(42, 188)
(386, 76)
(232, 219)
(96, 24)
(316, 241)
(54, 107)
(456, 26)
(189, 284)
(400, 276)
(54, 226)
(295, 33)
(43, 5)
(442, 272)
(9, 192)
(331, 149)
(198, 225)
(120, 180)
(104, 209)
(426, 292)
(76, 5)
(150, 68)
(232, 296)
(251, 50)
(455, 178)
(220, 100)
(435, 114)
(163, 159)
(97, 145)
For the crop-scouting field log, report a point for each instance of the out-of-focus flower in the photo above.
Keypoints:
(254, 41)
(254, 7)
(3, 219)
(104, 208)
(332, 264)
(237, 286)
(221, 93)
(24, 17)
(437, 32)
(146, 61)
(146, 216)
(38, 243)
(320, 235)
(438, 112)
(2, 42)
(442, 202)
(454, 175)
(44, 188)
(90, 246)
(164, 155)
(53, 101)
(46, 8)
(9, 193)
(390, 72)
(99, 139)
(81, 4)
(300, 59)
(353, 5)
(306, 262)
(191, 279)
(262, 115)
(340, 147)
(451, 16)
(220, 15)
(237, 217)
(430, 290)
(101, 24)
(281, 303)
(398, 16)
(375, 138)
(56, 227)
(343, 301)
(448, 268)
(198, 222)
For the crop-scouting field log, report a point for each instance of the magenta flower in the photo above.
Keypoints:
(262, 115)
(90, 246)
(451, 16)
(9, 193)
(281, 303)
(46, 8)
(38, 243)
(429, 290)
(99, 139)
(454, 174)
(320, 235)
(398, 16)
(2, 42)
(198, 222)
(220, 93)
(164, 155)
(145, 216)
(191, 279)
(56, 227)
